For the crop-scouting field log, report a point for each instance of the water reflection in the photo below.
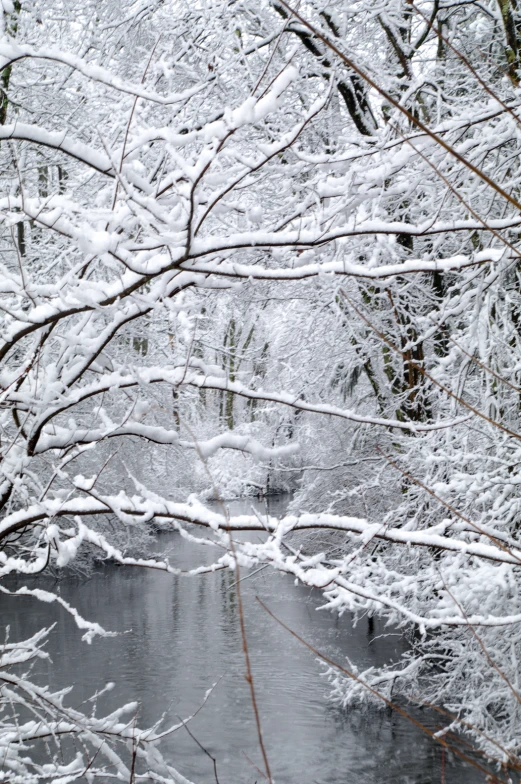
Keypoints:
(180, 636)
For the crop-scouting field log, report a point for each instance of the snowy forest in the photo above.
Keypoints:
(260, 248)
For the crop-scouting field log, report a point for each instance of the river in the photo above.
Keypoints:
(181, 635)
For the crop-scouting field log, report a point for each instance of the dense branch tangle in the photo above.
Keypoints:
(176, 231)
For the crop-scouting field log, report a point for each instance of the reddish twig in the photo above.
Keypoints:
(431, 733)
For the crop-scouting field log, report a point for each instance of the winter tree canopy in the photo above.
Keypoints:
(259, 246)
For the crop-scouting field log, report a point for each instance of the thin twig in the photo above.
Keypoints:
(431, 733)
(448, 506)
(240, 610)
(481, 644)
(202, 749)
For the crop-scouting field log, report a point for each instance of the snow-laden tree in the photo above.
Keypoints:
(288, 234)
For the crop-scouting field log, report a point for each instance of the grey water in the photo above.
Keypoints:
(181, 635)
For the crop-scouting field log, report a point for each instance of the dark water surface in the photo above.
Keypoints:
(182, 635)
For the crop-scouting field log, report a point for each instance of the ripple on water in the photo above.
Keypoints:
(182, 635)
